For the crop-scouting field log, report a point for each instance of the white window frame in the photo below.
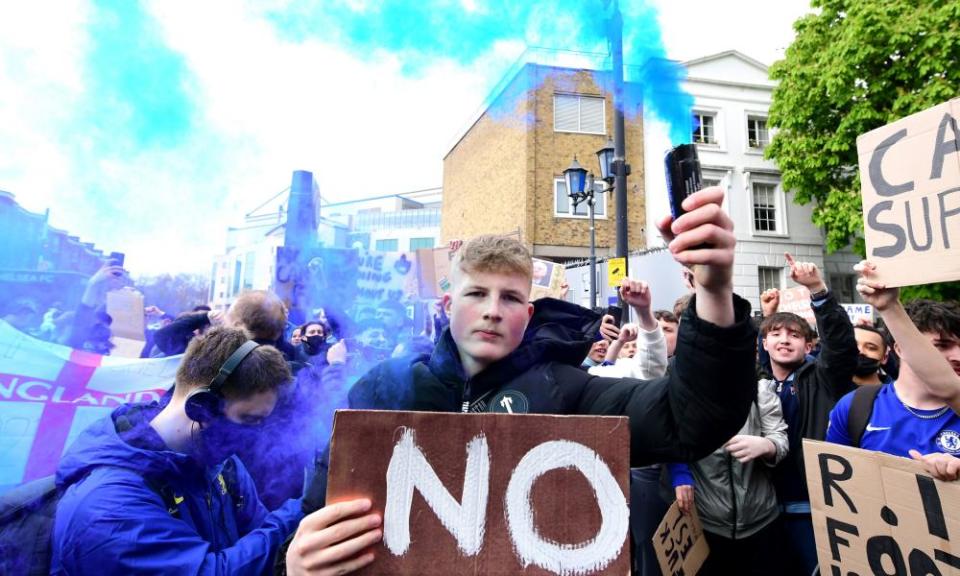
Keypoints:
(580, 98)
(715, 114)
(600, 202)
(753, 115)
(776, 270)
(780, 209)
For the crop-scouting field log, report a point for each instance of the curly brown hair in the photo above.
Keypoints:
(262, 370)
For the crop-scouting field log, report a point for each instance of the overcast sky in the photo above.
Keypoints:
(149, 128)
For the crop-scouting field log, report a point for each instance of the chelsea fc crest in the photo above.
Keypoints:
(949, 441)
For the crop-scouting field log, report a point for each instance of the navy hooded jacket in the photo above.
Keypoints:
(112, 518)
(680, 417)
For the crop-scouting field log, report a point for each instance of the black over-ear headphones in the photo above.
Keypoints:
(203, 404)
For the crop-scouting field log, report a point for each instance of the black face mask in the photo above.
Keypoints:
(222, 438)
(314, 344)
(866, 366)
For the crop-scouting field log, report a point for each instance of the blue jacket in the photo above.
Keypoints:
(113, 518)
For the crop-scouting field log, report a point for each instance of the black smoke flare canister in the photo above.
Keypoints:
(683, 176)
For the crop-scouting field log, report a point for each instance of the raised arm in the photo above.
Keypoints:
(915, 348)
(838, 345)
(707, 395)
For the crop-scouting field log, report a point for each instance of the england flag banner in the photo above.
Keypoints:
(49, 393)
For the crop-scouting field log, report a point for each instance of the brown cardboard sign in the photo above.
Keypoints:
(547, 279)
(125, 307)
(433, 271)
(910, 188)
(797, 300)
(488, 493)
(874, 513)
(679, 543)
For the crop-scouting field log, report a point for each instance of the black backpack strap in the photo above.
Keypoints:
(860, 410)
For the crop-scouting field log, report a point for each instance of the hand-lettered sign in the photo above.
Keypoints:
(910, 188)
(874, 513)
(488, 493)
(679, 543)
(797, 300)
(547, 279)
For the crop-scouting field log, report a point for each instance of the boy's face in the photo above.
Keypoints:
(870, 344)
(786, 345)
(598, 352)
(488, 314)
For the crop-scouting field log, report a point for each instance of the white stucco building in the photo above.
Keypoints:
(732, 94)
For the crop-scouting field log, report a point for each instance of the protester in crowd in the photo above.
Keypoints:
(649, 358)
(91, 324)
(669, 324)
(154, 489)
(154, 319)
(874, 349)
(808, 389)
(500, 346)
(48, 326)
(597, 354)
(912, 416)
(295, 336)
(313, 344)
(173, 338)
(649, 361)
(733, 492)
(261, 312)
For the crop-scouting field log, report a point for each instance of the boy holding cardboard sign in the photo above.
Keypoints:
(908, 417)
(504, 354)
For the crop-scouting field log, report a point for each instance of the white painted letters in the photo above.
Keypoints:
(587, 557)
(409, 469)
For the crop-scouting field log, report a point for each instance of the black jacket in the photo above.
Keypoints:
(819, 385)
(173, 338)
(680, 417)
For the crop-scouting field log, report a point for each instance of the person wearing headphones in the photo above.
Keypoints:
(156, 488)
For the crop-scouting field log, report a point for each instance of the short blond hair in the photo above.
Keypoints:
(261, 312)
(494, 254)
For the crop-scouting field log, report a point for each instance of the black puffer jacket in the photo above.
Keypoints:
(680, 417)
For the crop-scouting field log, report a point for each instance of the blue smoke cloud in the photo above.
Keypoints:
(464, 31)
(138, 84)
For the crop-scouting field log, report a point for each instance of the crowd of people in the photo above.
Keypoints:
(227, 473)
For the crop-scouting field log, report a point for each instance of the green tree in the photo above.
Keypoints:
(856, 65)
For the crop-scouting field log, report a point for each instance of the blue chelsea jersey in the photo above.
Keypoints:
(895, 429)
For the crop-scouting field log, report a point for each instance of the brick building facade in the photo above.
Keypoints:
(505, 174)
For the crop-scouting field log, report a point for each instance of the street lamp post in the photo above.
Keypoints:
(581, 188)
(619, 138)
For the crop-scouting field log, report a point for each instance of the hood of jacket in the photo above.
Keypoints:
(558, 332)
(122, 440)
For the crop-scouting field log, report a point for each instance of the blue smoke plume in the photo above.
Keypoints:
(464, 31)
